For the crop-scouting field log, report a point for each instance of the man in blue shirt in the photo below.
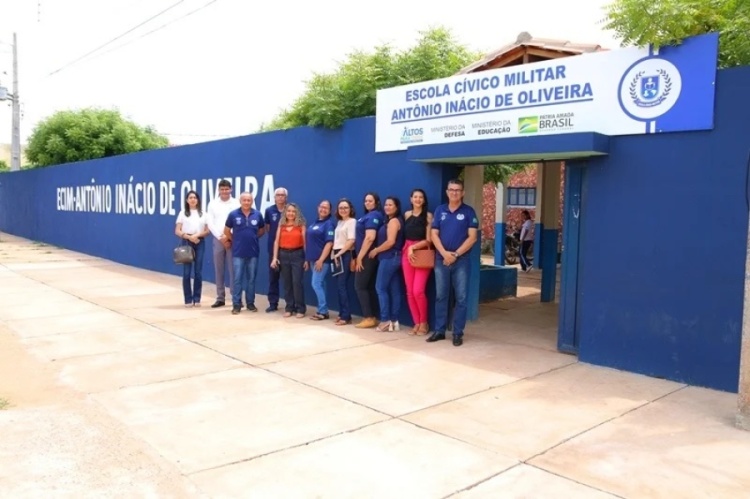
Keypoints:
(454, 232)
(243, 228)
(272, 218)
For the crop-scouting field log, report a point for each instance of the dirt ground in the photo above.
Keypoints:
(58, 443)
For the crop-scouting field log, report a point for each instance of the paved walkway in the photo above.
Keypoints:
(117, 390)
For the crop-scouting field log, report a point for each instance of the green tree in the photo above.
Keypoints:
(668, 22)
(4, 166)
(69, 136)
(350, 91)
(501, 173)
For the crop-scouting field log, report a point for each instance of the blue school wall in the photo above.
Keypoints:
(663, 243)
(313, 164)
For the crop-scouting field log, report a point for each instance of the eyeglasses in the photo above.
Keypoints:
(455, 190)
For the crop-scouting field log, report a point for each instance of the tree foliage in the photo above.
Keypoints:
(69, 136)
(668, 22)
(501, 173)
(4, 166)
(350, 91)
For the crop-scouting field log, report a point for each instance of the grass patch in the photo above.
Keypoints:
(4, 404)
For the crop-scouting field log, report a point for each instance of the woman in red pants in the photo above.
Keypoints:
(417, 234)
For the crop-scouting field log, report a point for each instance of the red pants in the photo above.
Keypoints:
(416, 284)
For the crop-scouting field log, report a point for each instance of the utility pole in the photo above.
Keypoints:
(15, 143)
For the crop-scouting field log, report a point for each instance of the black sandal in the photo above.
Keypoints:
(319, 317)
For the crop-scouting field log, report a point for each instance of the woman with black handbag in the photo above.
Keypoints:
(192, 227)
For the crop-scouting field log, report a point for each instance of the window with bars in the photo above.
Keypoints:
(522, 196)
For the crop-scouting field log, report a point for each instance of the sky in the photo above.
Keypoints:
(231, 65)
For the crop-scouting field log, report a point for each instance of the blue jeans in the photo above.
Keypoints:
(194, 269)
(342, 283)
(245, 270)
(319, 286)
(389, 287)
(454, 277)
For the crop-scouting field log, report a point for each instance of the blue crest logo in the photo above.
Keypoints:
(649, 90)
(649, 87)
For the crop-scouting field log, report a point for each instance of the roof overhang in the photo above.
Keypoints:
(514, 150)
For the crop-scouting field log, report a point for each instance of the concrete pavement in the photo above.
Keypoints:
(141, 397)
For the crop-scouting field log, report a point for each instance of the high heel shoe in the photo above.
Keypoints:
(384, 327)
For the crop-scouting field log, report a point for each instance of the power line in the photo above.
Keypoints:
(118, 37)
(155, 29)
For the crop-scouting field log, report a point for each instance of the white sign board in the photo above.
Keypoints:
(619, 92)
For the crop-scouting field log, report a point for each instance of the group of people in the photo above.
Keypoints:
(380, 248)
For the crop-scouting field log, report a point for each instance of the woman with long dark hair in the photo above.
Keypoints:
(366, 268)
(417, 223)
(192, 226)
(390, 242)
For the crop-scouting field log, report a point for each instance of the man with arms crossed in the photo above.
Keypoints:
(454, 232)
(218, 211)
(243, 228)
(272, 217)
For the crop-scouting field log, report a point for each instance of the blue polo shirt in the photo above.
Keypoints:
(272, 219)
(317, 236)
(245, 229)
(383, 237)
(454, 225)
(370, 220)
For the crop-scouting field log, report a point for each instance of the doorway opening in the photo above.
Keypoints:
(529, 311)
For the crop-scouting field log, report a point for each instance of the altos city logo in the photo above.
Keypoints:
(412, 135)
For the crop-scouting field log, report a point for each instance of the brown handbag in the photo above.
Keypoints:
(424, 258)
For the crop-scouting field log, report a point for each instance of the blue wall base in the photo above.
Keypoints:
(472, 312)
(538, 242)
(499, 244)
(497, 282)
(549, 263)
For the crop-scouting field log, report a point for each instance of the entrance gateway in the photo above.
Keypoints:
(529, 103)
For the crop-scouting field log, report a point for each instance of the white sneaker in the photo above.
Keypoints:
(394, 327)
